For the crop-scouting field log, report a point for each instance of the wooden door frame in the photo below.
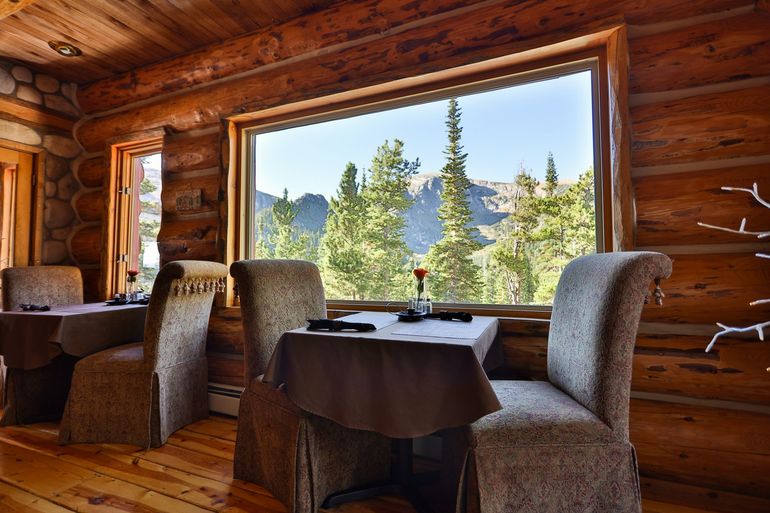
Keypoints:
(30, 200)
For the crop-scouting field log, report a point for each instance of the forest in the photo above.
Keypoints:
(362, 253)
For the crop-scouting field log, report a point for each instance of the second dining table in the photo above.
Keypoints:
(40, 347)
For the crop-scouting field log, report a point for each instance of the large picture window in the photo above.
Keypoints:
(492, 187)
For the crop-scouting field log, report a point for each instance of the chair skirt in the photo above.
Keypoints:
(136, 406)
(299, 457)
(592, 478)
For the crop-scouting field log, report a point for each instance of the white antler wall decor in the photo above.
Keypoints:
(759, 327)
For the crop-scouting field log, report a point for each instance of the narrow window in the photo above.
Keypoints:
(136, 216)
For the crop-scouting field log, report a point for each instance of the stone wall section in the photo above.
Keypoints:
(39, 91)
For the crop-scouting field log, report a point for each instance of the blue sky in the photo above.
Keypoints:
(502, 130)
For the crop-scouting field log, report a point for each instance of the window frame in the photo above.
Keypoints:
(486, 75)
(120, 210)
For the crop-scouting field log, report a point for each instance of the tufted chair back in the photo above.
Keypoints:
(276, 296)
(595, 317)
(52, 285)
(179, 310)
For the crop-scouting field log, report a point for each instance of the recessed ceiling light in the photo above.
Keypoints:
(65, 49)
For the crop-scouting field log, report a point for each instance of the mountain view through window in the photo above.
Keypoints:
(493, 192)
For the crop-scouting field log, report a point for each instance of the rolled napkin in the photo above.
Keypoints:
(28, 307)
(333, 325)
(450, 316)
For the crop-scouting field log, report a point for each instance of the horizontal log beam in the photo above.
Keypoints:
(86, 246)
(708, 499)
(719, 51)
(301, 37)
(669, 207)
(333, 29)
(12, 108)
(705, 289)
(183, 154)
(90, 206)
(449, 41)
(92, 172)
(678, 364)
(708, 127)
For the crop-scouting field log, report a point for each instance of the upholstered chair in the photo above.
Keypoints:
(299, 457)
(562, 444)
(33, 395)
(141, 393)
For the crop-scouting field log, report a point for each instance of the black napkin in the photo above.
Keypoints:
(29, 307)
(333, 325)
(450, 316)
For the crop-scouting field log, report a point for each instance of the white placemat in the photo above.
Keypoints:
(379, 319)
(442, 329)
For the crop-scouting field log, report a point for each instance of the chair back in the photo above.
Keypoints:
(52, 285)
(594, 321)
(178, 313)
(276, 296)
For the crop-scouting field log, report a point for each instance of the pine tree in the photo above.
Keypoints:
(285, 243)
(386, 202)
(551, 176)
(343, 260)
(454, 277)
(513, 253)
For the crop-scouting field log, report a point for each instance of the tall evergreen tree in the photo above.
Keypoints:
(454, 276)
(343, 259)
(285, 242)
(386, 202)
(512, 256)
(551, 176)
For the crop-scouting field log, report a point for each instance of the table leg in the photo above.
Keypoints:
(402, 481)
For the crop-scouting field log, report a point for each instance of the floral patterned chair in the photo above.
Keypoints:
(562, 445)
(141, 393)
(34, 395)
(299, 457)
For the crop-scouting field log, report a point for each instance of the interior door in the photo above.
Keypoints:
(18, 210)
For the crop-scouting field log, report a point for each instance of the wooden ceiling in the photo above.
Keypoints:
(117, 36)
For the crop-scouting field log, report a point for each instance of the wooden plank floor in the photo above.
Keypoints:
(191, 473)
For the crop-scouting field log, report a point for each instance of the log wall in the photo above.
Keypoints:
(696, 92)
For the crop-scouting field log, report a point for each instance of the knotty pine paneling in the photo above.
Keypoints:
(705, 127)
(710, 288)
(709, 53)
(117, 37)
(669, 206)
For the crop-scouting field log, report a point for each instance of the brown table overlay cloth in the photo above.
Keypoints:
(401, 385)
(29, 340)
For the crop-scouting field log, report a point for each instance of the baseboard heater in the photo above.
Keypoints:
(224, 398)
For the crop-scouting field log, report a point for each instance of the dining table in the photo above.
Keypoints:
(403, 380)
(40, 349)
